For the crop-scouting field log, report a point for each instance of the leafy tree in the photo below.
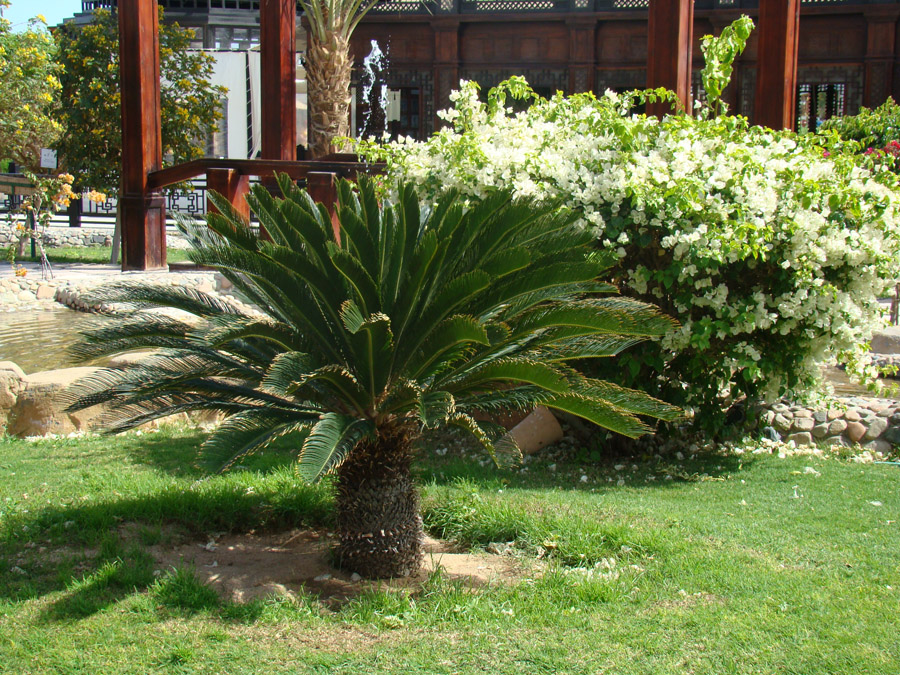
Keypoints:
(413, 320)
(90, 105)
(28, 91)
(328, 68)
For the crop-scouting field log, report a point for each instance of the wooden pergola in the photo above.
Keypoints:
(141, 202)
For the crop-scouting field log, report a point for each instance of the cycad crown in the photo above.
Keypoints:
(415, 318)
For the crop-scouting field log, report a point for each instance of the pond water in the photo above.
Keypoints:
(39, 340)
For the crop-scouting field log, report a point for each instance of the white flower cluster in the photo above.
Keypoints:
(771, 254)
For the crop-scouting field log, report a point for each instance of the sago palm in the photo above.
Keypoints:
(412, 319)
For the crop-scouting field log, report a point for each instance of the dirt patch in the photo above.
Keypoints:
(247, 566)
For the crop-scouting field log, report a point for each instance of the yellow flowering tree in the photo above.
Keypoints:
(29, 90)
(90, 101)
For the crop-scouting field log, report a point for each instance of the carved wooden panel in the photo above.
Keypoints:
(404, 43)
(508, 43)
(622, 42)
(827, 38)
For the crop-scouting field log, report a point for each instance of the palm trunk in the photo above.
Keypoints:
(328, 67)
(379, 525)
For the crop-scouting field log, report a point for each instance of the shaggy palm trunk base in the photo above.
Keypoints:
(379, 525)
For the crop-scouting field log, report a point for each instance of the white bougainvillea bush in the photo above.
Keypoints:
(771, 253)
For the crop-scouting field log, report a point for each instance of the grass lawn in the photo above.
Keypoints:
(740, 564)
(98, 254)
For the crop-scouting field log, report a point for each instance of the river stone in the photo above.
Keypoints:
(38, 410)
(768, 417)
(876, 427)
(781, 408)
(802, 412)
(837, 427)
(45, 292)
(834, 414)
(891, 435)
(782, 423)
(803, 424)
(838, 441)
(852, 415)
(130, 358)
(820, 416)
(878, 445)
(855, 431)
(802, 438)
(820, 430)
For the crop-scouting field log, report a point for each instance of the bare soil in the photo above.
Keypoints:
(250, 565)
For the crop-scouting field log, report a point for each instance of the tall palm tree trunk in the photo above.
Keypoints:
(379, 525)
(328, 68)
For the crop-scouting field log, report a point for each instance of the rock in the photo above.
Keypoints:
(886, 412)
(852, 416)
(876, 427)
(834, 414)
(768, 417)
(536, 431)
(820, 416)
(837, 427)
(886, 341)
(836, 441)
(878, 445)
(895, 419)
(12, 381)
(820, 430)
(38, 410)
(771, 434)
(891, 435)
(130, 358)
(782, 423)
(803, 413)
(802, 438)
(45, 292)
(781, 408)
(855, 431)
(803, 424)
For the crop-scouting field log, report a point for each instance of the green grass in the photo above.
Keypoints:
(749, 564)
(98, 255)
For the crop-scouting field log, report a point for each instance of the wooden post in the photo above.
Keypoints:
(582, 41)
(143, 212)
(231, 185)
(322, 187)
(776, 65)
(278, 74)
(881, 30)
(669, 43)
(446, 63)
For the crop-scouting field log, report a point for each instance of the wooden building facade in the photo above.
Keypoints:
(849, 50)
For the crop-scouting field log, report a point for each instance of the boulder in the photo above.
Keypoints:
(38, 410)
(12, 381)
(886, 341)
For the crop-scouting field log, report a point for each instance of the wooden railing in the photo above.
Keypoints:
(231, 177)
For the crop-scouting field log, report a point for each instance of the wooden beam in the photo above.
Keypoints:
(776, 69)
(669, 43)
(278, 73)
(322, 187)
(143, 213)
(231, 185)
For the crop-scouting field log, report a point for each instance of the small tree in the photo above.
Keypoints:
(28, 91)
(90, 99)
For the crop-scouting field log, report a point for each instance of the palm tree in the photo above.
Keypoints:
(413, 319)
(328, 65)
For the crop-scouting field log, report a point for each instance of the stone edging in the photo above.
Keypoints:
(873, 423)
(83, 237)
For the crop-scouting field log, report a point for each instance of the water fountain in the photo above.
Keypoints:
(374, 93)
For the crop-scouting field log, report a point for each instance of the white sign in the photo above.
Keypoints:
(48, 158)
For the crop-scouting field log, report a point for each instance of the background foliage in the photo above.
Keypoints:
(90, 99)
(29, 87)
(770, 254)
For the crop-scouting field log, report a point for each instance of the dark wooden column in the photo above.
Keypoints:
(142, 212)
(669, 43)
(881, 36)
(231, 185)
(582, 42)
(446, 63)
(278, 74)
(776, 65)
